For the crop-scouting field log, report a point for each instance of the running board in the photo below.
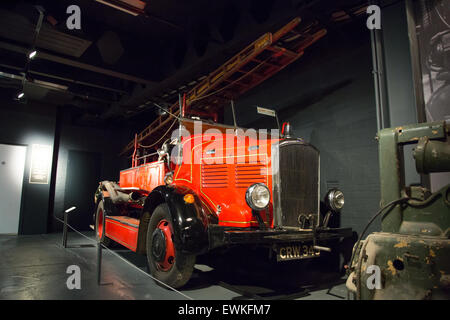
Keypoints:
(123, 230)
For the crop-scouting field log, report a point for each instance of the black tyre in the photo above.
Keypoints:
(165, 262)
(100, 226)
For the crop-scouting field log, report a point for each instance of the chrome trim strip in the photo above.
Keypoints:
(275, 159)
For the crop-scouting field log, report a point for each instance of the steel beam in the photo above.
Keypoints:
(51, 57)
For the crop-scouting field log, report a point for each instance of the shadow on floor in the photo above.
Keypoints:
(251, 274)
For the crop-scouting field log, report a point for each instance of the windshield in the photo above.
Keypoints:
(255, 117)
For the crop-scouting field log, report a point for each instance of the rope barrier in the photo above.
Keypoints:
(121, 258)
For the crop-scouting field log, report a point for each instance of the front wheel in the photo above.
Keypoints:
(100, 226)
(165, 262)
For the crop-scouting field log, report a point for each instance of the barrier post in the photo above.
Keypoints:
(66, 218)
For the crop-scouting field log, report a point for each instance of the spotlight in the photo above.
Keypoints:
(32, 54)
(70, 209)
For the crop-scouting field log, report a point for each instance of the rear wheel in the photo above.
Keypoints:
(100, 226)
(165, 262)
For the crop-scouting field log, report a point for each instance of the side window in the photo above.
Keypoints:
(176, 155)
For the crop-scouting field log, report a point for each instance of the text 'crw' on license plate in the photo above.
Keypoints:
(296, 251)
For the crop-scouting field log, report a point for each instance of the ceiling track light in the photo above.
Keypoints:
(32, 54)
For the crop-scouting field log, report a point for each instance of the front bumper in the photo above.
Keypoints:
(222, 236)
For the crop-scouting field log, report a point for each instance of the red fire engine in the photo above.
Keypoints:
(219, 187)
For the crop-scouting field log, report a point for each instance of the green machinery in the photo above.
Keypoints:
(410, 257)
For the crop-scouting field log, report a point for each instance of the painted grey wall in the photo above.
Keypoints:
(399, 77)
(33, 123)
(106, 142)
(27, 125)
(328, 98)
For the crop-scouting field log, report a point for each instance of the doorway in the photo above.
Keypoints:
(82, 177)
(12, 165)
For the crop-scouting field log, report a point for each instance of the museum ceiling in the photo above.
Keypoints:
(130, 51)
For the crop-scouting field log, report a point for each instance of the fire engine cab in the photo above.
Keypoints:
(212, 185)
(219, 187)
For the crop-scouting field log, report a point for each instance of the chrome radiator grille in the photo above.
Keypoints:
(296, 184)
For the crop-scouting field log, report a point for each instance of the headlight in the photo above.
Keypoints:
(335, 199)
(257, 196)
(168, 179)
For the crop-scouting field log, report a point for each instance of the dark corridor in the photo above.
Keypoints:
(83, 174)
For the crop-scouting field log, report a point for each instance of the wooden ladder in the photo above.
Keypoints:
(266, 56)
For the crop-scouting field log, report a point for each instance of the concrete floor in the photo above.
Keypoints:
(34, 267)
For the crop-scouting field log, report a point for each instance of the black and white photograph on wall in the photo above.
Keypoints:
(433, 35)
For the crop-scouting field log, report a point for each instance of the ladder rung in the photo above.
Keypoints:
(285, 51)
(268, 63)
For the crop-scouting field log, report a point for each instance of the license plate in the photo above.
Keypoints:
(296, 251)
